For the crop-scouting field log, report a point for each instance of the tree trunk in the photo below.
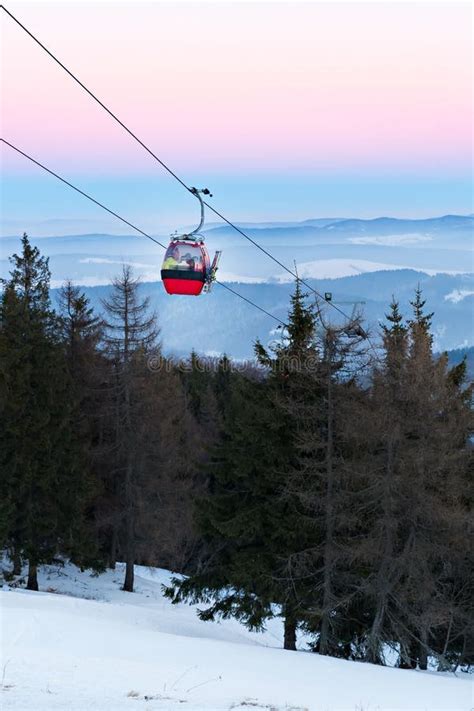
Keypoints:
(113, 547)
(382, 581)
(423, 659)
(423, 651)
(16, 561)
(129, 529)
(289, 641)
(129, 554)
(32, 583)
(374, 638)
(129, 472)
(129, 575)
(443, 665)
(324, 642)
(408, 656)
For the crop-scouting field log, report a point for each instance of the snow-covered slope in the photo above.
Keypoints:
(86, 645)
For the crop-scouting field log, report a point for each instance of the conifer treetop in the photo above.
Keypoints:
(420, 318)
(30, 276)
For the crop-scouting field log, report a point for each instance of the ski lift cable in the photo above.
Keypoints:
(130, 224)
(189, 189)
(163, 164)
(93, 96)
(89, 197)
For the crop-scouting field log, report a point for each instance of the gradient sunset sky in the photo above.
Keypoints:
(285, 110)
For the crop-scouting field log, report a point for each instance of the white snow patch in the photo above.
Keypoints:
(103, 260)
(104, 280)
(86, 644)
(393, 240)
(337, 268)
(240, 278)
(81, 281)
(458, 295)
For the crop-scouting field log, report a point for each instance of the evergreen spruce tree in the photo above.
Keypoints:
(319, 403)
(80, 331)
(250, 522)
(381, 442)
(420, 322)
(38, 445)
(131, 334)
(437, 458)
(416, 435)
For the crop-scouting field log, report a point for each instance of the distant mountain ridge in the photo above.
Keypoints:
(441, 244)
(379, 225)
(368, 260)
(340, 224)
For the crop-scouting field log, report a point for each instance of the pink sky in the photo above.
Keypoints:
(243, 87)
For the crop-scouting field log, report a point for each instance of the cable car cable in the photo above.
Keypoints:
(174, 175)
(91, 94)
(140, 231)
(260, 308)
(78, 190)
(130, 224)
(162, 163)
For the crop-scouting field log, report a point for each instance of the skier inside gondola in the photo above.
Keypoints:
(189, 261)
(171, 259)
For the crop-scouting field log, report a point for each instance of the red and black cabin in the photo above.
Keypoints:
(186, 267)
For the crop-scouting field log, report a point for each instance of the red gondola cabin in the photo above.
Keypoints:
(185, 268)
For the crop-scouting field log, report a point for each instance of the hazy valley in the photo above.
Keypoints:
(356, 260)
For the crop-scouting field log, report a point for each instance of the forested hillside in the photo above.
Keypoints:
(327, 483)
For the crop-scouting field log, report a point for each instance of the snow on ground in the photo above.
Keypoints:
(85, 645)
